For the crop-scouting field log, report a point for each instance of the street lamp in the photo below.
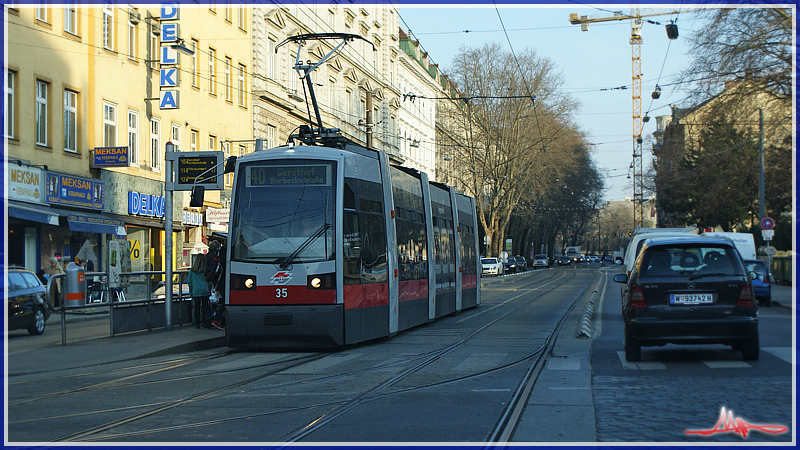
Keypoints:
(180, 47)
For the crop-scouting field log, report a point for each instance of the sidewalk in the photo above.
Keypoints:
(104, 349)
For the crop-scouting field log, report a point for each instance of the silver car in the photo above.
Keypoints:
(541, 261)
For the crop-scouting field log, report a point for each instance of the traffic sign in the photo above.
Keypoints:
(767, 234)
(767, 223)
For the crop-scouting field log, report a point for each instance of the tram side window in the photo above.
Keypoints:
(364, 233)
(468, 261)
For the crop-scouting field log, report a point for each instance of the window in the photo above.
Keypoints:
(155, 144)
(70, 17)
(212, 142)
(154, 49)
(109, 125)
(292, 81)
(70, 121)
(42, 113)
(41, 13)
(176, 136)
(226, 152)
(241, 85)
(241, 14)
(193, 140)
(270, 66)
(228, 81)
(133, 137)
(270, 136)
(212, 54)
(194, 63)
(131, 40)
(9, 106)
(108, 26)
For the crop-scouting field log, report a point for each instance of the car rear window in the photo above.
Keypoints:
(756, 267)
(683, 260)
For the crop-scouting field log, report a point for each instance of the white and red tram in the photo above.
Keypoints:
(332, 246)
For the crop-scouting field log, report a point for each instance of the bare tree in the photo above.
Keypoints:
(507, 130)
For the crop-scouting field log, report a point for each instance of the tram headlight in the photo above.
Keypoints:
(243, 282)
(321, 281)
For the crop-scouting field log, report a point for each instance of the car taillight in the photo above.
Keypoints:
(766, 278)
(745, 297)
(637, 297)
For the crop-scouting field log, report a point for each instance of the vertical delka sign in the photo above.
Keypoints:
(169, 79)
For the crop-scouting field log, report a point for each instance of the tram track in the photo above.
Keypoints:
(337, 408)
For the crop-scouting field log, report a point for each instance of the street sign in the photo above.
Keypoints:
(767, 223)
(767, 234)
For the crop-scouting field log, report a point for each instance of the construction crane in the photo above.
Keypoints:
(636, 17)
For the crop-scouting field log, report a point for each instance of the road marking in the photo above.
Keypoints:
(642, 365)
(726, 364)
(784, 353)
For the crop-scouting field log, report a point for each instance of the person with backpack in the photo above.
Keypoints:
(200, 290)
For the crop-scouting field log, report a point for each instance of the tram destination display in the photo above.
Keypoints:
(289, 175)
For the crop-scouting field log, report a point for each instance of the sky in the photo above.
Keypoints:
(592, 62)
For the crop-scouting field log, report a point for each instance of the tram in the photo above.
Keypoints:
(329, 247)
(330, 244)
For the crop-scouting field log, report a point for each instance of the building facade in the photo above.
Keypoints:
(93, 95)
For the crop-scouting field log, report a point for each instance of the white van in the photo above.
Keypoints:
(744, 242)
(637, 241)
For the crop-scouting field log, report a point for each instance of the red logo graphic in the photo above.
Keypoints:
(281, 277)
(727, 423)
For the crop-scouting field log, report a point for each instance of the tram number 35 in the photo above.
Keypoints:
(281, 293)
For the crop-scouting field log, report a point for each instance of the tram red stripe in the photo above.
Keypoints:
(366, 295)
(469, 281)
(413, 289)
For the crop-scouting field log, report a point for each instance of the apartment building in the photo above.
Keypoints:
(92, 97)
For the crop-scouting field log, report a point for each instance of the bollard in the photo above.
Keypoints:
(75, 290)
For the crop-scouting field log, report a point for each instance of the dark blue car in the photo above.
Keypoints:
(761, 284)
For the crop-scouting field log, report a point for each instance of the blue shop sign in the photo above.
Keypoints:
(111, 157)
(69, 190)
(145, 204)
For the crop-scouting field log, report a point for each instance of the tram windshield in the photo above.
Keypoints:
(284, 212)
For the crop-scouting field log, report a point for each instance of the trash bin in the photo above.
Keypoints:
(782, 269)
(75, 285)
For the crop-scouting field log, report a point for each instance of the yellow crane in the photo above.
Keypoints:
(635, 17)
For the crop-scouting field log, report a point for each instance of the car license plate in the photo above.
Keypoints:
(691, 299)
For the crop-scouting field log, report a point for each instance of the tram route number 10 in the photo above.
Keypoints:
(281, 293)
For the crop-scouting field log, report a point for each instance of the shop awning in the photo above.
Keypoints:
(32, 212)
(95, 223)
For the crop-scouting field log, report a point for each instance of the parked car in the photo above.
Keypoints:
(689, 290)
(541, 261)
(27, 301)
(510, 265)
(522, 264)
(762, 287)
(491, 266)
(564, 261)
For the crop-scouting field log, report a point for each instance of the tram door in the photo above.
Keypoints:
(444, 261)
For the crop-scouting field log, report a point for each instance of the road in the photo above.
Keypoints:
(448, 381)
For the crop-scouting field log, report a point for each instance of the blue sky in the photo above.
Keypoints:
(592, 63)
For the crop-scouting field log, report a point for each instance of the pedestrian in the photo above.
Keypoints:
(42, 276)
(200, 290)
(55, 269)
(219, 287)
